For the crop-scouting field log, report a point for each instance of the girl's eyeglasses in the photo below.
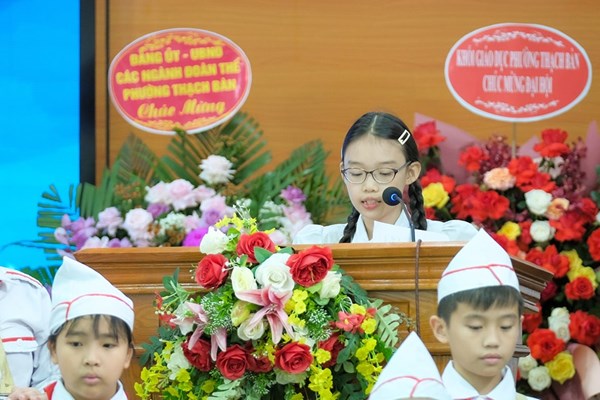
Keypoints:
(380, 175)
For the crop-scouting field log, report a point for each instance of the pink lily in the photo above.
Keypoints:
(217, 339)
(273, 302)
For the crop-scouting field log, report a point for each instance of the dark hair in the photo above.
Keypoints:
(480, 299)
(386, 126)
(119, 328)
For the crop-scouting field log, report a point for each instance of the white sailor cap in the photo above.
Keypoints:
(79, 290)
(411, 373)
(482, 262)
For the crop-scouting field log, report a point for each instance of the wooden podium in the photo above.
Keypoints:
(402, 274)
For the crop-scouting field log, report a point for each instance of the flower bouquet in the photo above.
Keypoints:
(146, 200)
(537, 209)
(266, 323)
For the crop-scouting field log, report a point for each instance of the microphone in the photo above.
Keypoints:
(392, 196)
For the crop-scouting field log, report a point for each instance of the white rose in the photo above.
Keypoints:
(254, 333)
(275, 273)
(137, 223)
(539, 378)
(330, 285)
(598, 217)
(560, 314)
(538, 201)
(158, 193)
(541, 231)
(176, 362)
(214, 242)
(242, 279)
(559, 321)
(526, 364)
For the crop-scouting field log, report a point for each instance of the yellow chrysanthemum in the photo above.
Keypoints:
(322, 356)
(365, 369)
(369, 325)
(295, 320)
(320, 379)
(297, 396)
(358, 309)
(208, 386)
(511, 230)
(362, 353)
(369, 343)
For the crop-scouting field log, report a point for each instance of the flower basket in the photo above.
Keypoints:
(270, 323)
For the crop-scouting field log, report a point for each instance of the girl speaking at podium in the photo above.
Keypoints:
(379, 159)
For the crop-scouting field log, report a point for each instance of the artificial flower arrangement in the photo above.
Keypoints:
(537, 209)
(146, 200)
(266, 323)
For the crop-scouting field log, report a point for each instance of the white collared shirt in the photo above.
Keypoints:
(454, 230)
(24, 329)
(460, 389)
(61, 393)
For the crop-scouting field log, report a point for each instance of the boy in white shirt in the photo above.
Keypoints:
(24, 316)
(479, 316)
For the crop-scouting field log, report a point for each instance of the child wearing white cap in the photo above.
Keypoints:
(24, 314)
(410, 374)
(479, 316)
(91, 327)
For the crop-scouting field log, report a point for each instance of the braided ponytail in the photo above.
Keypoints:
(350, 228)
(417, 206)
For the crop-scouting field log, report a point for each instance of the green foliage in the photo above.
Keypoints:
(240, 140)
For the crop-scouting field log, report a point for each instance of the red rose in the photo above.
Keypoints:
(585, 328)
(549, 291)
(233, 362)
(294, 358)
(544, 345)
(259, 364)
(532, 321)
(593, 243)
(211, 271)
(553, 143)
(247, 243)
(579, 289)
(199, 355)
(334, 346)
(310, 266)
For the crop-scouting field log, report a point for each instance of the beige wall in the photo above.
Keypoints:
(318, 65)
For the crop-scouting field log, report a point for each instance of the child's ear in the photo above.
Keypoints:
(413, 172)
(52, 347)
(439, 329)
(129, 356)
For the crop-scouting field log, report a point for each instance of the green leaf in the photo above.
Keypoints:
(261, 254)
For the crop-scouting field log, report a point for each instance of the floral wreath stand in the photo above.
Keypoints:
(385, 271)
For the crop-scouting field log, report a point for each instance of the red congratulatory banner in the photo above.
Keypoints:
(518, 72)
(189, 79)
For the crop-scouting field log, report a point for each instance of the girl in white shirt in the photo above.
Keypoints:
(378, 152)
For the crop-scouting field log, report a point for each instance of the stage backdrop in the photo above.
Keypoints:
(318, 65)
(39, 109)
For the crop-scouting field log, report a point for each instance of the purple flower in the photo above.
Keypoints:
(194, 237)
(293, 195)
(157, 209)
(82, 230)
